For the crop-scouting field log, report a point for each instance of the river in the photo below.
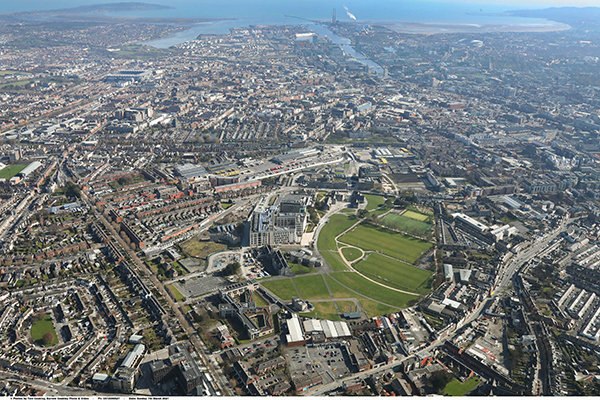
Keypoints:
(222, 27)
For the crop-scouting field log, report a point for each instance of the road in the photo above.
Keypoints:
(508, 272)
(193, 336)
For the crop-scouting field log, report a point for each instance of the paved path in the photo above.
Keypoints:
(349, 265)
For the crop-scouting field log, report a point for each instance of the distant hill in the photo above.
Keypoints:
(588, 17)
(101, 8)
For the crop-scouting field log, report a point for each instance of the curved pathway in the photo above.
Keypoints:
(349, 265)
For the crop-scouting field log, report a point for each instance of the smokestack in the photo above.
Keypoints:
(333, 18)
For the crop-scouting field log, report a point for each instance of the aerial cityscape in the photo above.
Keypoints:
(316, 200)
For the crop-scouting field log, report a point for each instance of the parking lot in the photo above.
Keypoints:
(196, 287)
(329, 360)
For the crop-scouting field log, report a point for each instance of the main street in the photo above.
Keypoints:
(508, 272)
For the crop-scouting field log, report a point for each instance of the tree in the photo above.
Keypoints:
(231, 269)
(439, 379)
(48, 338)
(363, 213)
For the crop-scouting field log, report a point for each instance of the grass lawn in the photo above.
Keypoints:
(299, 269)
(373, 290)
(39, 328)
(394, 244)
(337, 224)
(374, 201)
(345, 305)
(11, 170)
(196, 248)
(337, 290)
(372, 308)
(415, 215)
(394, 273)
(406, 224)
(380, 211)
(176, 293)
(260, 302)
(282, 288)
(456, 388)
(312, 287)
(351, 254)
(226, 205)
(333, 260)
(324, 310)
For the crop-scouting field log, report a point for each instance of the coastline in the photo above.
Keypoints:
(435, 27)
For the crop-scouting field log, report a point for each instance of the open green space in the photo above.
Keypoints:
(456, 388)
(351, 253)
(226, 205)
(333, 260)
(337, 224)
(373, 291)
(323, 310)
(299, 269)
(196, 248)
(415, 215)
(380, 211)
(372, 308)
(337, 290)
(374, 201)
(406, 224)
(176, 293)
(394, 273)
(394, 244)
(40, 327)
(10, 72)
(312, 287)
(11, 170)
(345, 305)
(282, 288)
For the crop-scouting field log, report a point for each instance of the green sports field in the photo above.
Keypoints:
(406, 224)
(337, 224)
(415, 215)
(11, 170)
(394, 244)
(394, 273)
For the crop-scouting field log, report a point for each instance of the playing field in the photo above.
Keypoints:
(373, 290)
(11, 170)
(374, 201)
(333, 260)
(406, 224)
(39, 328)
(351, 253)
(415, 215)
(282, 288)
(337, 224)
(394, 273)
(394, 244)
(312, 287)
